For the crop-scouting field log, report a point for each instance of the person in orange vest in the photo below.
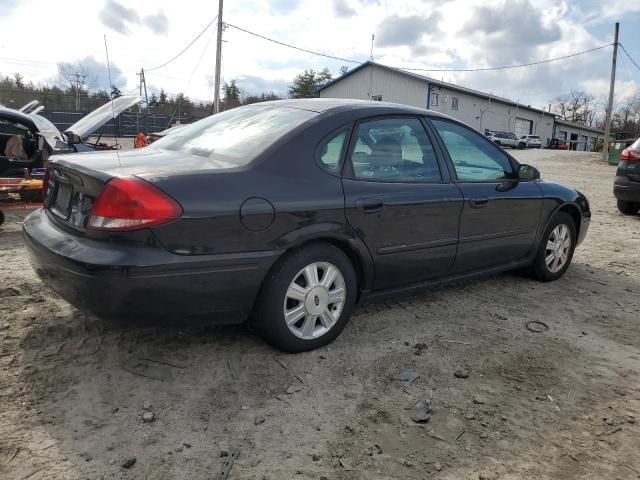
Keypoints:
(141, 140)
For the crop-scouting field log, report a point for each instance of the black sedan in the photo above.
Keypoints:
(290, 212)
(626, 185)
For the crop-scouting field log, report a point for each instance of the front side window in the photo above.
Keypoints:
(236, 136)
(474, 158)
(394, 149)
(331, 151)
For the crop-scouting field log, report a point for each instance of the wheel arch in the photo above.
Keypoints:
(351, 246)
(572, 210)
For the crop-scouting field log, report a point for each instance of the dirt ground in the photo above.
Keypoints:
(557, 404)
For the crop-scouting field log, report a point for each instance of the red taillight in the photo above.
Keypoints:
(629, 154)
(130, 204)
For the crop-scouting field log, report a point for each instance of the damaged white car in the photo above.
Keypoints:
(27, 139)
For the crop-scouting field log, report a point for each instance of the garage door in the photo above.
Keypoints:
(523, 127)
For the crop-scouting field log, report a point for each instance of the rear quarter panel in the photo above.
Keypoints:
(279, 201)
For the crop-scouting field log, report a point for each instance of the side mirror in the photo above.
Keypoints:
(527, 172)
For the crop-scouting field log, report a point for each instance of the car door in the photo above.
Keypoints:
(501, 213)
(400, 200)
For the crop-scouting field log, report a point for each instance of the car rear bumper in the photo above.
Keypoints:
(626, 190)
(131, 281)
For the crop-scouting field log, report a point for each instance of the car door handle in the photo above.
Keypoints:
(370, 205)
(478, 202)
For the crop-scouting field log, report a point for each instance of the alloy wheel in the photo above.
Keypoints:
(314, 300)
(558, 247)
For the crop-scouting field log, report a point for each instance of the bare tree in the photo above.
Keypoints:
(575, 106)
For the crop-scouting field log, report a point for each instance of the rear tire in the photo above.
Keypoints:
(556, 248)
(628, 208)
(294, 311)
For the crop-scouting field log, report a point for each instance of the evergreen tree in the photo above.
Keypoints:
(306, 84)
(18, 80)
(231, 93)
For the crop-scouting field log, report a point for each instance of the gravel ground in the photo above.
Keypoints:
(506, 402)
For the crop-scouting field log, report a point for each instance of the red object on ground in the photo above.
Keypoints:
(141, 140)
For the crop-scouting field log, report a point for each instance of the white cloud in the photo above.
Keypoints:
(316, 26)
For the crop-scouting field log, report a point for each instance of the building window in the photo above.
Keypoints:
(454, 103)
(376, 98)
(434, 99)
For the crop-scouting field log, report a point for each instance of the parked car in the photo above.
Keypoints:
(529, 141)
(290, 212)
(626, 185)
(28, 139)
(504, 139)
(152, 137)
(557, 144)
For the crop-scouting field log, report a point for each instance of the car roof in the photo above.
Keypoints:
(16, 116)
(322, 105)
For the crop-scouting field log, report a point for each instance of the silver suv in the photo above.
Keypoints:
(530, 141)
(504, 139)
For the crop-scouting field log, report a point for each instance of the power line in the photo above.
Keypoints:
(326, 55)
(506, 67)
(627, 54)
(185, 48)
(421, 69)
(206, 47)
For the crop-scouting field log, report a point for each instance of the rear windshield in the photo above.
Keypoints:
(236, 136)
(636, 144)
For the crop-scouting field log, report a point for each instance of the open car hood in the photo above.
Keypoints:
(88, 124)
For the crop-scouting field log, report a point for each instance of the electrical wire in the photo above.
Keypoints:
(506, 67)
(630, 58)
(326, 55)
(206, 47)
(482, 69)
(185, 48)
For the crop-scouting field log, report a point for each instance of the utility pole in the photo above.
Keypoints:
(373, 37)
(78, 82)
(609, 113)
(216, 93)
(143, 86)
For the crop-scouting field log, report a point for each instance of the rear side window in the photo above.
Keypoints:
(236, 136)
(331, 151)
(394, 150)
(474, 158)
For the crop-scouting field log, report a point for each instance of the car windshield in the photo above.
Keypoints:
(236, 136)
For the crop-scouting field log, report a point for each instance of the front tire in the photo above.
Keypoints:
(521, 146)
(306, 299)
(556, 248)
(628, 208)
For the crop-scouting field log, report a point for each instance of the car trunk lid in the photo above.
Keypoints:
(76, 180)
(70, 194)
(88, 124)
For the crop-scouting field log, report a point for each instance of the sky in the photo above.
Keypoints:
(436, 34)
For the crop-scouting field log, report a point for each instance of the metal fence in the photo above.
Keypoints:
(127, 124)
